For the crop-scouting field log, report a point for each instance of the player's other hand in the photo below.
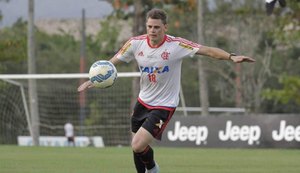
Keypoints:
(85, 85)
(239, 59)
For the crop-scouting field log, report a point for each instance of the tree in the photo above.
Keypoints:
(290, 91)
(288, 94)
(285, 39)
(287, 24)
(242, 33)
(57, 53)
(13, 48)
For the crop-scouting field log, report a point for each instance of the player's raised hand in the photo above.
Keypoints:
(85, 85)
(239, 59)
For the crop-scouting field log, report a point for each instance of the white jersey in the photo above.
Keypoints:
(69, 130)
(160, 67)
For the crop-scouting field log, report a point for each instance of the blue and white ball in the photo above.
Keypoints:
(103, 74)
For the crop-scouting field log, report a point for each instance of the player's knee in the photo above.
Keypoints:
(137, 147)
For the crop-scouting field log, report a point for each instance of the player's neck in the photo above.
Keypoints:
(156, 43)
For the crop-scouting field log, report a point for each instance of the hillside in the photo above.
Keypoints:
(73, 27)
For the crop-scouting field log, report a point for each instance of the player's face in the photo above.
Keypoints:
(155, 30)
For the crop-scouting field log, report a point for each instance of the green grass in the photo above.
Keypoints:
(14, 159)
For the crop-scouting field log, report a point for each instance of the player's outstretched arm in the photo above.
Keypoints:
(115, 60)
(87, 84)
(240, 58)
(223, 55)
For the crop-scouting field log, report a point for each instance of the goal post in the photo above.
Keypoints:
(24, 101)
(107, 111)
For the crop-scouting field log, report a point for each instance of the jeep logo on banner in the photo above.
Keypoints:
(247, 133)
(197, 134)
(233, 131)
(286, 132)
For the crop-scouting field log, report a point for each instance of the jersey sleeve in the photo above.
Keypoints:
(126, 52)
(187, 48)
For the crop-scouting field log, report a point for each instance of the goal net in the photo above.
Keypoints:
(99, 112)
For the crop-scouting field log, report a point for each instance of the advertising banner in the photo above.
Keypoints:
(61, 141)
(263, 131)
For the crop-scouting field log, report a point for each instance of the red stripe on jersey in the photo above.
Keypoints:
(182, 40)
(140, 37)
(156, 107)
(124, 48)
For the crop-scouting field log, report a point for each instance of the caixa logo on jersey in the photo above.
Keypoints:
(154, 69)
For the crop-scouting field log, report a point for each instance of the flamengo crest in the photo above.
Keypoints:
(165, 55)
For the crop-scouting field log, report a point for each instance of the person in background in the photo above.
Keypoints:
(69, 133)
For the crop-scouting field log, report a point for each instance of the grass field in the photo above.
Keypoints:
(14, 159)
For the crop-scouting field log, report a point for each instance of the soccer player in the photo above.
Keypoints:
(159, 57)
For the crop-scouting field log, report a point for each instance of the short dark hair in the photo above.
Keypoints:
(157, 14)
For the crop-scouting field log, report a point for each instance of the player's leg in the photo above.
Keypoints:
(139, 165)
(141, 148)
(141, 140)
(152, 128)
(138, 117)
(147, 123)
(69, 141)
(73, 141)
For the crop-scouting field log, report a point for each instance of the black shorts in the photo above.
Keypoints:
(153, 118)
(71, 139)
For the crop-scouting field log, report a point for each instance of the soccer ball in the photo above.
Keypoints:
(103, 74)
